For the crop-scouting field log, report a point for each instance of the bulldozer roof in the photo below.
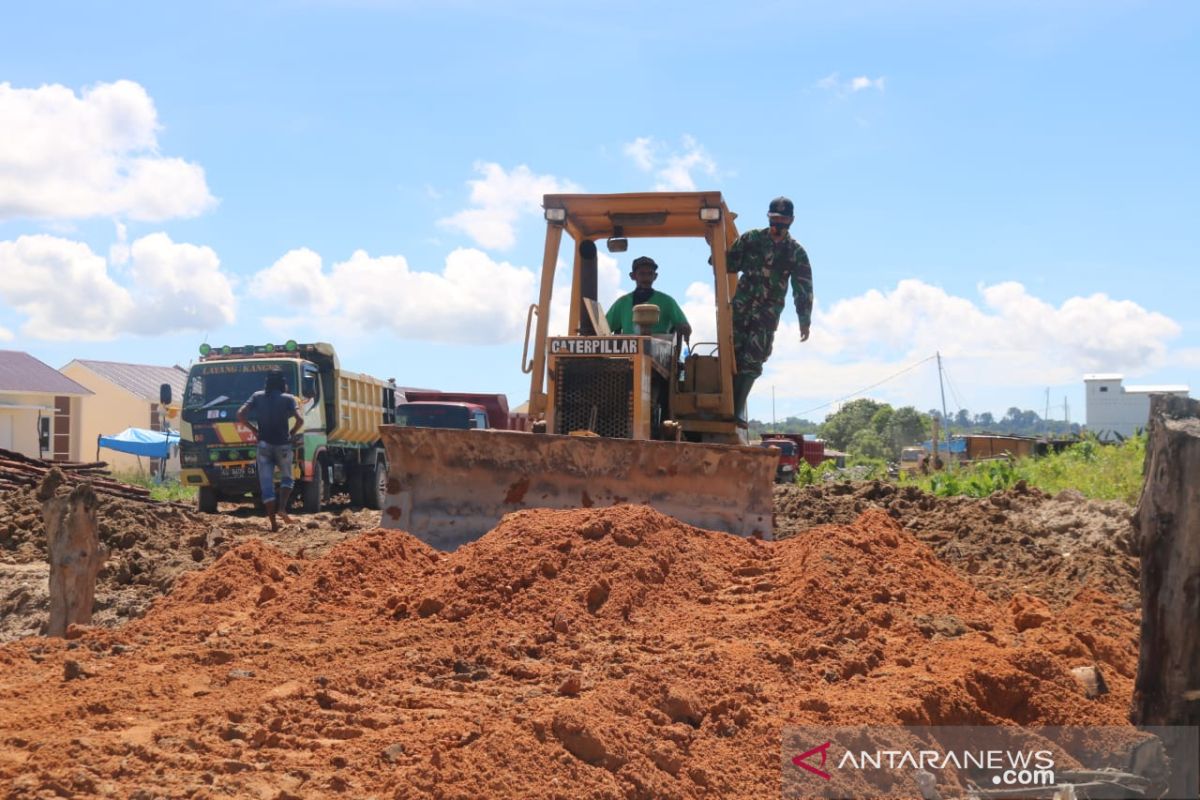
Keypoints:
(641, 214)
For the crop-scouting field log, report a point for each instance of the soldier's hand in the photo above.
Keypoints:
(804, 333)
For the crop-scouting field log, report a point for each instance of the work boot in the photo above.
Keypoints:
(270, 506)
(285, 494)
(742, 383)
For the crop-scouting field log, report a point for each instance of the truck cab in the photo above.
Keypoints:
(789, 458)
(434, 414)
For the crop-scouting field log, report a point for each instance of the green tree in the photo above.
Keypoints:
(838, 429)
(906, 426)
(866, 443)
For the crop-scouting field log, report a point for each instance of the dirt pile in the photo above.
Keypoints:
(1021, 540)
(150, 546)
(591, 653)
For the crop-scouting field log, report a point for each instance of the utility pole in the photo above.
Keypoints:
(1046, 418)
(942, 386)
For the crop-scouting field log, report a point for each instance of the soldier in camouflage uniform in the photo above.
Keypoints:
(767, 258)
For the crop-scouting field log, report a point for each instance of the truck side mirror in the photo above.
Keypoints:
(164, 394)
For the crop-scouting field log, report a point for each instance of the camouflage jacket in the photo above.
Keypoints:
(766, 268)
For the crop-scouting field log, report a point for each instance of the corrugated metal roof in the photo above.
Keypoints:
(141, 380)
(21, 372)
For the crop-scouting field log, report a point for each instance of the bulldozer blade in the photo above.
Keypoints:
(449, 487)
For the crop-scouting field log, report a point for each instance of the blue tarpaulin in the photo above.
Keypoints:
(142, 442)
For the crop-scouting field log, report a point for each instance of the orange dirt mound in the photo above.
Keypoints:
(612, 653)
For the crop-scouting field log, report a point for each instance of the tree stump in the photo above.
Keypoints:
(1167, 521)
(73, 547)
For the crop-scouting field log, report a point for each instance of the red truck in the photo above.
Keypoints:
(461, 410)
(811, 450)
(788, 458)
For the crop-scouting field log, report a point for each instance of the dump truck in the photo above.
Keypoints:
(461, 410)
(341, 450)
(616, 418)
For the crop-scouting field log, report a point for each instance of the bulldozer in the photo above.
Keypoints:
(624, 418)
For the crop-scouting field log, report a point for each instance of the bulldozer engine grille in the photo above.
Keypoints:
(594, 394)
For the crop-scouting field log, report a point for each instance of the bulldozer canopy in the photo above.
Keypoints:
(640, 215)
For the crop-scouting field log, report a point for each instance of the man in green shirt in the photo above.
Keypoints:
(670, 317)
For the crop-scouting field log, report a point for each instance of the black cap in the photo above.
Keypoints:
(644, 261)
(781, 207)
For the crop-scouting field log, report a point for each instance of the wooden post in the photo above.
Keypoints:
(73, 547)
(1167, 520)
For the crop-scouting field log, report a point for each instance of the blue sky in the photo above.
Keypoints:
(1012, 184)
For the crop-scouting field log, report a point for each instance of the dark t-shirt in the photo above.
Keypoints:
(274, 413)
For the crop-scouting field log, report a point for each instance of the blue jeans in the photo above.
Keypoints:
(271, 456)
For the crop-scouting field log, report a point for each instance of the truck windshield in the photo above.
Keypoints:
(223, 384)
(433, 416)
(787, 448)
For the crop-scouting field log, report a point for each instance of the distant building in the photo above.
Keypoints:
(1117, 412)
(39, 408)
(123, 396)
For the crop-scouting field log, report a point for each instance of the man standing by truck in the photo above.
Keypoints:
(768, 259)
(272, 407)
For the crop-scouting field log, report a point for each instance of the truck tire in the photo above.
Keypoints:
(374, 485)
(206, 500)
(314, 489)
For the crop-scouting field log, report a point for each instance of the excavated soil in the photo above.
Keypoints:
(597, 653)
(150, 544)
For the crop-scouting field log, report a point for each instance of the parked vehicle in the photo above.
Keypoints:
(789, 458)
(459, 410)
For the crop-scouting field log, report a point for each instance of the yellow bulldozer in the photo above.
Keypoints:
(617, 418)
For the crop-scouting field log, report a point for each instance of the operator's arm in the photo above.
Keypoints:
(802, 291)
(679, 320)
(244, 411)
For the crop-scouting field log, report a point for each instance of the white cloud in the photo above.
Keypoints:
(863, 82)
(672, 168)
(178, 286)
(5, 334)
(66, 292)
(499, 199)
(834, 83)
(1006, 339)
(299, 280)
(641, 150)
(473, 300)
(118, 252)
(68, 156)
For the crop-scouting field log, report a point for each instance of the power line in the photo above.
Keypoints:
(868, 388)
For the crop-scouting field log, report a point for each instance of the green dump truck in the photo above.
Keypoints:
(341, 449)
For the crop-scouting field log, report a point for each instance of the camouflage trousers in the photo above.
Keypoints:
(753, 336)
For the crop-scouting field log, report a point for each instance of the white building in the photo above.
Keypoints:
(1116, 412)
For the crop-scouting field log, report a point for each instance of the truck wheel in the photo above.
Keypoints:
(206, 500)
(355, 482)
(374, 485)
(314, 490)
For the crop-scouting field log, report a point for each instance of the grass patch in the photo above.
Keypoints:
(164, 491)
(1098, 471)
